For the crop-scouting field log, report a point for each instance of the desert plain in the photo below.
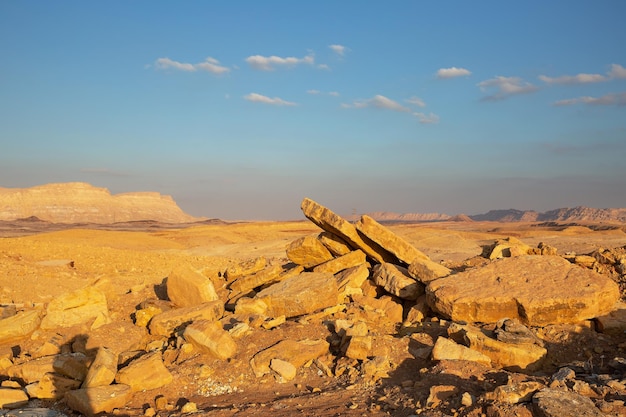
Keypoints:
(395, 371)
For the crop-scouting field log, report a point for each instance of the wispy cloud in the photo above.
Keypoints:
(270, 63)
(318, 92)
(613, 99)
(276, 101)
(452, 72)
(379, 102)
(211, 65)
(338, 49)
(382, 102)
(416, 101)
(616, 72)
(505, 87)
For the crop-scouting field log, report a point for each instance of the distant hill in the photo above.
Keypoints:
(576, 214)
(78, 202)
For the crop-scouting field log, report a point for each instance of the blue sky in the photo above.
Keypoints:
(239, 109)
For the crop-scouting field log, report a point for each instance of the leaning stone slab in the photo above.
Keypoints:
(388, 240)
(332, 223)
(102, 370)
(147, 372)
(559, 403)
(12, 398)
(537, 290)
(247, 267)
(353, 277)
(295, 352)
(74, 308)
(302, 294)
(210, 337)
(354, 258)
(95, 400)
(336, 245)
(308, 251)
(425, 270)
(72, 365)
(187, 287)
(164, 324)
(613, 323)
(396, 280)
(248, 282)
(20, 325)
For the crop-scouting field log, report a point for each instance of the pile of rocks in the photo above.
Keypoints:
(364, 283)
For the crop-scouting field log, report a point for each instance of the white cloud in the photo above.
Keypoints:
(417, 101)
(430, 118)
(452, 72)
(617, 71)
(333, 93)
(504, 87)
(379, 102)
(338, 49)
(210, 64)
(313, 91)
(270, 63)
(574, 79)
(613, 99)
(318, 92)
(258, 98)
(323, 67)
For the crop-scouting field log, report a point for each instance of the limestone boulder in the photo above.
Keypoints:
(74, 308)
(248, 282)
(559, 403)
(388, 240)
(20, 325)
(508, 247)
(301, 294)
(96, 400)
(247, 267)
(295, 352)
(332, 223)
(51, 387)
(102, 370)
(164, 324)
(210, 337)
(396, 280)
(425, 270)
(537, 290)
(12, 398)
(145, 373)
(514, 357)
(446, 349)
(308, 251)
(336, 245)
(187, 287)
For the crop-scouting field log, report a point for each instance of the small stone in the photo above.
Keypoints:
(189, 407)
(286, 370)
(467, 399)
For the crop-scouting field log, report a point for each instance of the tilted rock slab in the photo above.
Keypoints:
(560, 403)
(188, 287)
(446, 349)
(302, 294)
(102, 370)
(12, 398)
(388, 240)
(308, 251)
(336, 245)
(537, 290)
(332, 223)
(425, 270)
(349, 260)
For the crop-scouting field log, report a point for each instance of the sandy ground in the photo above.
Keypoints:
(130, 263)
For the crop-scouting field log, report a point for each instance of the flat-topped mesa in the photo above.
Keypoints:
(78, 202)
(332, 223)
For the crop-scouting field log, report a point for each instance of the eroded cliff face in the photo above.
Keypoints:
(81, 202)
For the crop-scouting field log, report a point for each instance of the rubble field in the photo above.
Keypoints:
(324, 317)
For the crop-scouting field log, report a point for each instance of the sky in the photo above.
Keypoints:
(240, 109)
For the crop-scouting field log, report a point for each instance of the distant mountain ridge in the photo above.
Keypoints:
(78, 202)
(575, 214)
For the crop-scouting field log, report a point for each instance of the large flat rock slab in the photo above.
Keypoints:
(537, 290)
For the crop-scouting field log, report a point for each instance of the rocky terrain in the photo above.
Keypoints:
(318, 318)
(81, 202)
